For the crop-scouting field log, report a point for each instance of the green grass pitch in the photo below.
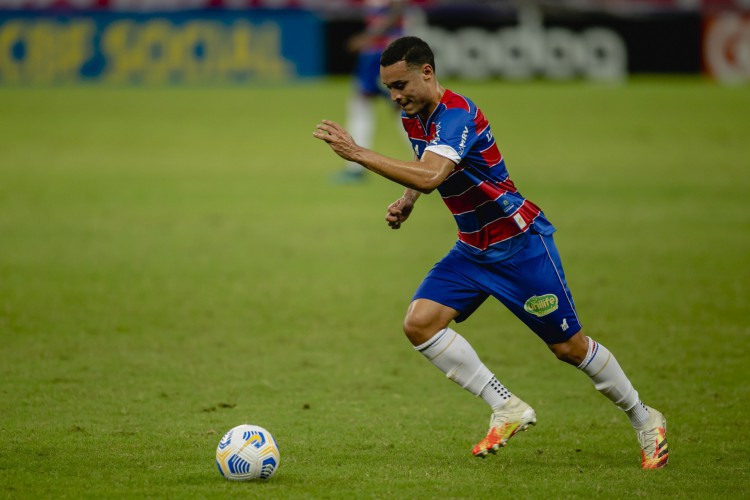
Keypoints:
(175, 262)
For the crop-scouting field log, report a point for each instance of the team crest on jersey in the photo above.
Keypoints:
(542, 305)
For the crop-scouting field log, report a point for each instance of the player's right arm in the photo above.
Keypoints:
(424, 175)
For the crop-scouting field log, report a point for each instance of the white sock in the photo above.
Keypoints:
(495, 394)
(638, 415)
(610, 380)
(360, 124)
(455, 357)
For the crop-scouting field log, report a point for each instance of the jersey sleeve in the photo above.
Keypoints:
(454, 135)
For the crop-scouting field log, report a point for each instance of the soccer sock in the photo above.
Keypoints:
(610, 380)
(495, 394)
(638, 415)
(455, 357)
(361, 124)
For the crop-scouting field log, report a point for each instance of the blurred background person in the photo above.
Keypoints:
(384, 22)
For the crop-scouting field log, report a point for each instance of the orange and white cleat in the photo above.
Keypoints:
(653, 440)
(515, 416)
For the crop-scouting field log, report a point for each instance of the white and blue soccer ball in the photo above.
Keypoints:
(247, 452)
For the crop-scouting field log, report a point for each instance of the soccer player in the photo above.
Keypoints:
(505, 249)
(384, 22)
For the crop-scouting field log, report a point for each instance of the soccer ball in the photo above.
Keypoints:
(247, 452)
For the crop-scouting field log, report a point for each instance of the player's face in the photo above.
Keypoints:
(412, 88)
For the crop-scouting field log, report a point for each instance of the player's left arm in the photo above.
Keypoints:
(424, 175)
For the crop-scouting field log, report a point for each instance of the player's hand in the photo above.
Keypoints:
(398, 212)
(338, 138)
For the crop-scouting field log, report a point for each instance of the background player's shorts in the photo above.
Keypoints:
(531, 284)
(367, 74)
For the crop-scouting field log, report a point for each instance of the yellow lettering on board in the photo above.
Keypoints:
(237, 56)
(75, 49)
(271, 63)
(39, 64)
(11, 33)
(255, 51)
(117, 47)
(158, 58)
(204, 67)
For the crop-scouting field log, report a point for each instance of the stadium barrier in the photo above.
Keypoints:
(480, 44)
(127, 41)
(160, 48)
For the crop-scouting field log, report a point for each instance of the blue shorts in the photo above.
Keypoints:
(531, 283)
(367, 74)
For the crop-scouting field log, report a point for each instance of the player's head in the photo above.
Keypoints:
(412, 50)
(407, 68)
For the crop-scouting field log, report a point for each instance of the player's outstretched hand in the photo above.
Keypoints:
(337, 137)
(398, 212)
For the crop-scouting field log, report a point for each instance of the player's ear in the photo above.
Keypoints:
(427, 71)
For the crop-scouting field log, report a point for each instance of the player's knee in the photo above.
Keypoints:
(565, 354)
(416, 330)
(573, 351)
(425, 318)
(420, 327)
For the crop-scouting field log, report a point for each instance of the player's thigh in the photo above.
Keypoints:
(532, 285)
(450, 291)
(452, 283)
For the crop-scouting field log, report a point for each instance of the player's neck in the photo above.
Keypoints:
(425, 114)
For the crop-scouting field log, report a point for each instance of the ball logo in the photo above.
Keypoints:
(541, 305)
(254, 438)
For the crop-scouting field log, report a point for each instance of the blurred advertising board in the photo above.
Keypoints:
(38, 47)
(726, 47)
(528, 42)
(173, 5)
(225, 41)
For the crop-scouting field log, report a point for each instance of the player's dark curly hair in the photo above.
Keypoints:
(410, 49)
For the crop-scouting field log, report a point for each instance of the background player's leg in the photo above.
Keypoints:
(361, 124)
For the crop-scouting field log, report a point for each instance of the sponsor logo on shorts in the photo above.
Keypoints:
(542, 305)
